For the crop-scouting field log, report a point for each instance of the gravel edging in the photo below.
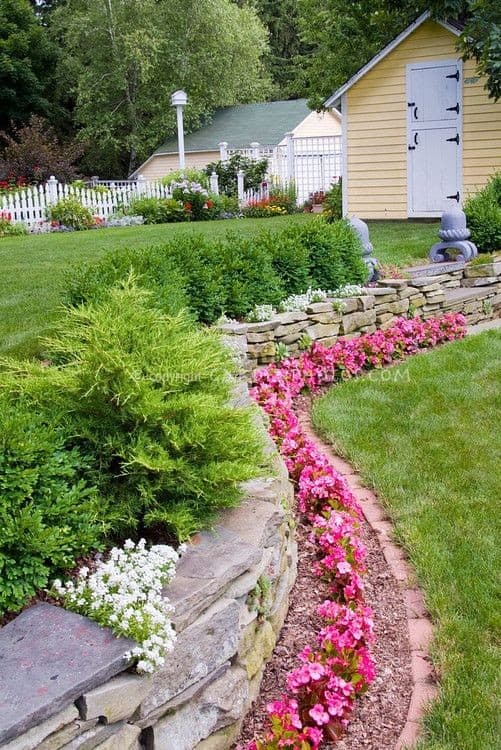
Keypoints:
(389, 715)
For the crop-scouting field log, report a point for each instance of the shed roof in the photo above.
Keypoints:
(265, 122)
(453, 26)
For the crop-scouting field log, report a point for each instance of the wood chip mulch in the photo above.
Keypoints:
(381, 713)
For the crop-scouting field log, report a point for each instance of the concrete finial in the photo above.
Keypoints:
(454, 235)
(362, 231)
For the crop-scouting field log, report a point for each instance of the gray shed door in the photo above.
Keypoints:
(434, 136)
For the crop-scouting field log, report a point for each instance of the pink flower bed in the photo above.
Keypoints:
(338, 666)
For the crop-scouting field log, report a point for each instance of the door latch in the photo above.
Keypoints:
(456, 138)
(454, 75)
(454, 197)
(453, 109)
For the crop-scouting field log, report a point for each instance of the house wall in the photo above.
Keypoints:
(161, 164)
(318, 124)
(376, 138)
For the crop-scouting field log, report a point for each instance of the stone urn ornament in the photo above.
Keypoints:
(454, 235)
(362, 231)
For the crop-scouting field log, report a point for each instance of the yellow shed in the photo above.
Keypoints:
(419, 131)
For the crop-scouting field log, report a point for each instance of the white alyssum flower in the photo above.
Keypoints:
(260, 313)
(349, 290)
(125, 594)
(299, 302)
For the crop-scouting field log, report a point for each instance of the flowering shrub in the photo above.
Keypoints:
(261, 208)
(69, 212)
(125, 594)
(8, 227)
(12, 184)
(339, 666)
(194, 197)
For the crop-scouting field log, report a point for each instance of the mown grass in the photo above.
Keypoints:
(33, 267)
(426, 435)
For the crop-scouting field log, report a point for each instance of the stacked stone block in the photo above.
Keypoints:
(230, 594)
(473, 290)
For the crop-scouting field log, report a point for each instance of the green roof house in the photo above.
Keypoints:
(238, 127)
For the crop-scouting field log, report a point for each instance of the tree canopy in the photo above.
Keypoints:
(342, 36)
(27, 59)
(102, 71)
(124, 58)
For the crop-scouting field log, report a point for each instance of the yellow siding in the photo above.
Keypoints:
(481, 132)
(377, 127)
(162, 164)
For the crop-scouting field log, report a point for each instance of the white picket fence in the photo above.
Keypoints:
(32, 204)
(311, 163)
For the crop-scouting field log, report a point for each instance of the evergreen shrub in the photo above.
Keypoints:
(153, 267)
(335, 254)
(144, 397)
(483, 215)
(49, 512)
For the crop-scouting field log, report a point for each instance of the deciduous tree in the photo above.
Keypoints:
(341, 37)
(33, 151)
(124, 58)
(27, 58)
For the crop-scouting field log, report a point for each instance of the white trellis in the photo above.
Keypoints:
(313, 163)
(31, 205)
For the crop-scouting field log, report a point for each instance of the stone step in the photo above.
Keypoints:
(434, 269)
(465, 294)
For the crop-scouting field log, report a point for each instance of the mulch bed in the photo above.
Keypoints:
(381, 713)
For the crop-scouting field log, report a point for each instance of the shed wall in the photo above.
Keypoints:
(377, 127)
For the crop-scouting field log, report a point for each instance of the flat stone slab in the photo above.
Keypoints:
(48, 658)
(206, 570)
(436, 269)
(464, 294)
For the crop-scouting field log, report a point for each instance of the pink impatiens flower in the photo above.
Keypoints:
(339, 666)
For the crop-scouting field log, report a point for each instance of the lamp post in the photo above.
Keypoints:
(179, 100)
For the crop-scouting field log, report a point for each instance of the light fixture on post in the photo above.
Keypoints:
(179, 100)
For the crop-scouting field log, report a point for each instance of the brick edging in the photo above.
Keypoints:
(420, 628)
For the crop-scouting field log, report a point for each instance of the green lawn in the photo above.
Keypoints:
(426, 435)
(33, 267)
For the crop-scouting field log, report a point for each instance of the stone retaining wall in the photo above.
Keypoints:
(62, 678)
(431, 291)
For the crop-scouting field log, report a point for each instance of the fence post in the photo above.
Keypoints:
(94, 180)
(214, 183)
(52, 189)
(240, 184)
(223, 150)
(255, 150)
(140, 184)
(290, 156)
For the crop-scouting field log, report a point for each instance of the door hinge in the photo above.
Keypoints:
(454, 197)
(454, 75)
(456, 138)
(453, 109)
(411, 104)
